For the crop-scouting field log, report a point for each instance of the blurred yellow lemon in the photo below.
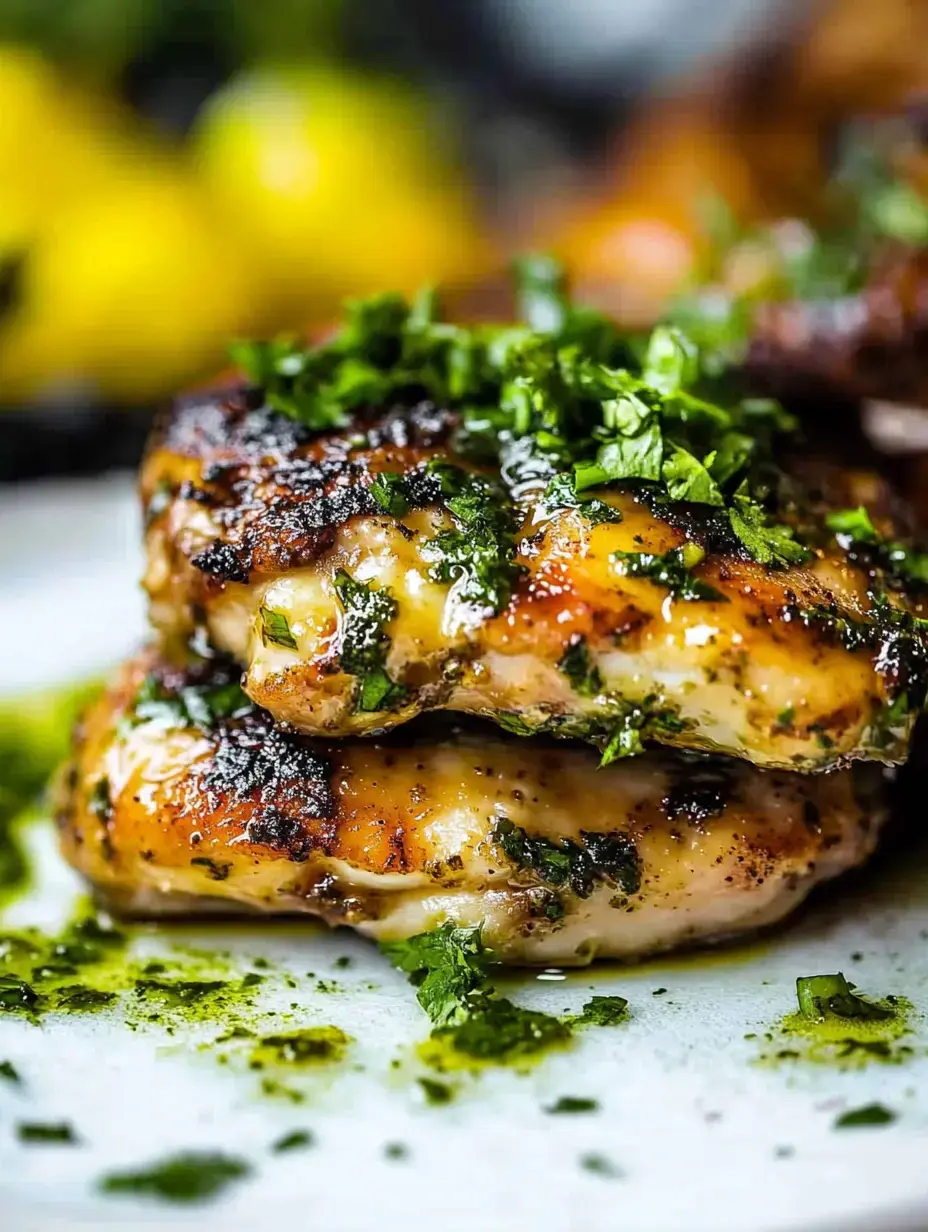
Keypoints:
(56, 141)
(129, 291)
(340, 183)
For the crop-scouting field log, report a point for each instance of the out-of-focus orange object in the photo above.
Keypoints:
(753, 133)
(338, 185)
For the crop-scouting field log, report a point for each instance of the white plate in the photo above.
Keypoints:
(696, 1126)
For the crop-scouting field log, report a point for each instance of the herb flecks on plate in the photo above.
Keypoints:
(472, 1022)
(835, 1025)
(870, 1116)
(191, 1176)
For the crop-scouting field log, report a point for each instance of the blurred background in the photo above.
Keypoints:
(174, 173)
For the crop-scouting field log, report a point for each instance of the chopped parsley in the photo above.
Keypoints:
(572, 1104)
(561, 493)
(901, 565)
(498, 1030)
(367, 610)
(296, 1140)
(59, 1133)
(766, 542)
(436, 1092)
(610, 857)
(191, 1176)
(559, 404)
(275, 629)
(868, 1116)
(389, 491)
(825, 996)
(855, 523)
(190, 706)
(449, 967)
(576, 665)
(601, 1166)
(478, 556)
(601, 1012)
(9, 1071)
(445, 965)
(636, 723)
(672, 570)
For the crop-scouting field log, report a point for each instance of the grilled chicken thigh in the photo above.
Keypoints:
(334, 569)
(182, 795)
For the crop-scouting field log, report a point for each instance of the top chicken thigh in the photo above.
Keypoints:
(555, 540)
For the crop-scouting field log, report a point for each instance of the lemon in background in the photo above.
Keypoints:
(339, 184)
(122, 284)
(130, 291)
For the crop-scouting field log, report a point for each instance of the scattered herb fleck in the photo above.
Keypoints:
(570, 1104)
(601, 1166)
(364, 641)
(436, 1092)
(191, 1176)
(296, 1140)
(673, 570)
(275, 629)
(38, 1132)
(868, 1115)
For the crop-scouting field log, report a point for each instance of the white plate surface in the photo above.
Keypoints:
(696, 1127)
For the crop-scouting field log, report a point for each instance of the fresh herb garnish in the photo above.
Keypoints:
(191, 1176)
(389, 491)
(39, 1132)
(601, 1012)
(191, 706)
(571, 1104)
(275, 629)
(498, 1030)
(636, 722)
(900, 564)
(565, 383)
(296, 1140)
(478, 557)
(445, 965)
(449, 967)
(576, 665)
(868, 1115)
(367, 611)
(601, 1166)
(561, 493)
(436, 1092)
(766, 542)
(610, 857)
(672, 570)
(9, 1071)
(823, 996)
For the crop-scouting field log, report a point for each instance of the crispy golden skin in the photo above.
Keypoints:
(393, 836)
(246, 511)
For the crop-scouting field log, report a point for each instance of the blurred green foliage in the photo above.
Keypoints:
(103, 36)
